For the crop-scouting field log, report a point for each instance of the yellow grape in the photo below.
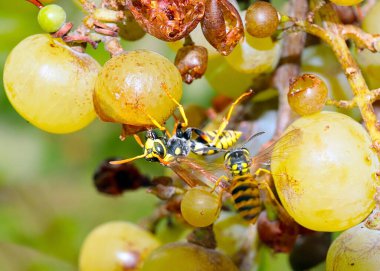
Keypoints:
(116, 246)
(132, 86)
(51, 85)
(199, 207)
(326, 178)
(187, 257)
(357, 249)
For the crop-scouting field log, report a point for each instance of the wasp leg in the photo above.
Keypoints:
(180, 107)
(127, 160)
(273, 203)
(202, 135)
(226, 119)
(138, 140)
(221, 178)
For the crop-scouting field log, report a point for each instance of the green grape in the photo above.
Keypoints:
(356, 249)
(370, 62)
(255, 55)
(346, 2)
(51, 85)
(51, 17)
(261, 19)
(307, 94)
(129, 29)
(199, 207)
(132, 86)
(116, 246)
(187, 257)
(326, 178)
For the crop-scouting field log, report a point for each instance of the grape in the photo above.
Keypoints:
(356, 249)
(325, 180)
(131, 86)
(116, 246)
(346, 2)
(187, 257)
(51, 17)
(51, 85)
(307, 94)
(199, 207)
(261, 19)
(255, 55)
(370, 62)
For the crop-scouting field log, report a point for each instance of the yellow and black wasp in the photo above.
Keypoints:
(165, 148)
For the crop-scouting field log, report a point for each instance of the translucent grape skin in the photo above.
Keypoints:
(326, 183)
(187, 257)
(356, 249)
(307, 94)
(116, 246)
(261, 19)
(51, 17)
(199, 207)
(50, 84)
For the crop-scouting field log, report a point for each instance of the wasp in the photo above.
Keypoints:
(166, 147)
(249, 192)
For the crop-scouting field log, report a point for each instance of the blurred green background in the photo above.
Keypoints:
(48, 203)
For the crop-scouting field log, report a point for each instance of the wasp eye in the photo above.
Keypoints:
(159, 148)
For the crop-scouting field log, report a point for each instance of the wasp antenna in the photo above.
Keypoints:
(127, 160)
(252, 137)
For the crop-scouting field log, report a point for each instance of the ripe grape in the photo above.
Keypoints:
(51, 17)
(346, 2)
(51, 85)
(199, 207)
(116, 246)
(187, 257)
(261, 19)
(307, 94)
(356, 249)
(131, 86)
(326, 178)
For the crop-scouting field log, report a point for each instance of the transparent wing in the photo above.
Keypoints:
(288, 142)
(197, 171)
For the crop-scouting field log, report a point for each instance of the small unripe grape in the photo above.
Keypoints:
(346, 2)
(356, 249)
(132, 86)
(50, 84)
(307, 94)
(187, 257)
(129, 29)
(116, 246)
(261, 19)
(199, 207)
(326, 178)
(51, 17)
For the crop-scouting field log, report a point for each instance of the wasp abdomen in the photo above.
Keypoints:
(246, 196)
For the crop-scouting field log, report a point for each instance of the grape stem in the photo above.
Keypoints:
(36, 3)
(334, 34)
(342, 103)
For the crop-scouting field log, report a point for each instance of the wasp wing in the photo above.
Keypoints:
(284, 145)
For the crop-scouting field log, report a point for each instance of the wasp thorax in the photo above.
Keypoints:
(238, 161)
(178, 146)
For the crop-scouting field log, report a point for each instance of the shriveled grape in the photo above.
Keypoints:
(51, 85)
(326, 179)
(199, 207)
(131, 89)
(116, 246)
(356, 249)
(307, 94)
(187, 257)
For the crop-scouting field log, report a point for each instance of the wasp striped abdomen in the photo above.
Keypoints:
(227, 139)
(246, 196)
